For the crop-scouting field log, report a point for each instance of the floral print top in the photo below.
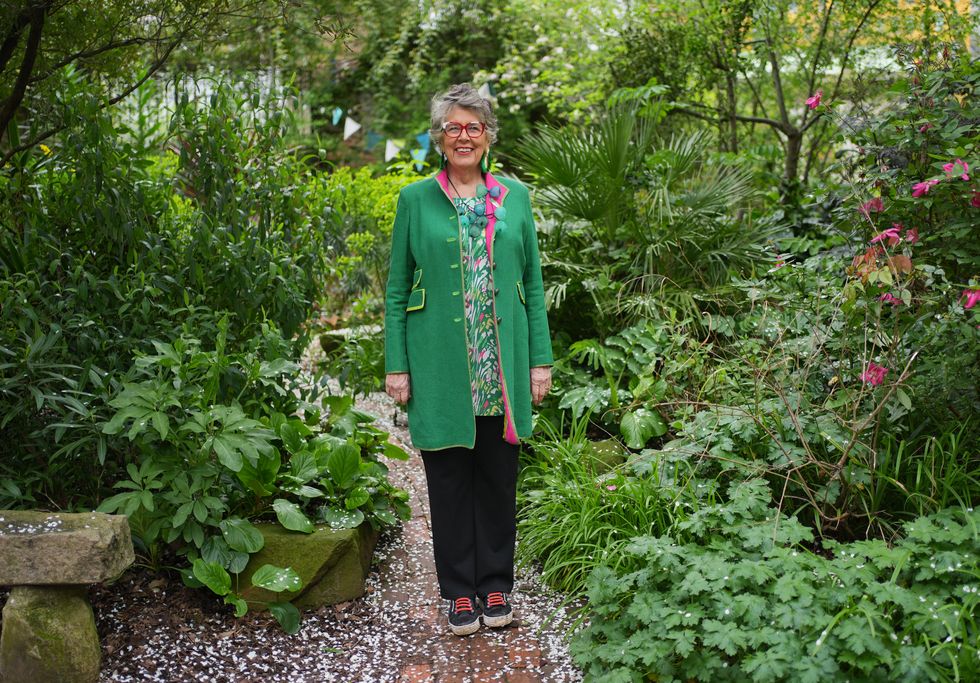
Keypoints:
(480, 333)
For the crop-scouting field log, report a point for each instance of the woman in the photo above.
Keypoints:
(467, 348)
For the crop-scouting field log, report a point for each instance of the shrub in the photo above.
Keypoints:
(743, 600)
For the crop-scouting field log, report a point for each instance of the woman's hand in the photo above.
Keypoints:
(398, 386)
(540, 383)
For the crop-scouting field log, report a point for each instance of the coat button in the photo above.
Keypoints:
(499, 320)
(496, 291)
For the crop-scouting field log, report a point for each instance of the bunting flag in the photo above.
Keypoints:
(372, 140)
(424, 140)
(391, 150)
(350, 127)
(337, 113)
(419, 156)
(484, 91)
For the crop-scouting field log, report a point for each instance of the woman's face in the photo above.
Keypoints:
(464, 152)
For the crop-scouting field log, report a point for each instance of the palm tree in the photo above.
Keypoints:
(656, 221)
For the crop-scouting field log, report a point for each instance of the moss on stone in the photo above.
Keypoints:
(49, 636)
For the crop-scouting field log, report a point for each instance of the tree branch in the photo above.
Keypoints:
(13, 37)
(157, 65)
(12, 103)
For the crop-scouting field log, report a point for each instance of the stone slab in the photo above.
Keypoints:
(49, 636)
(333, 564)
(45, 548)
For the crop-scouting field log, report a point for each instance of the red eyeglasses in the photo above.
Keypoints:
(454, 128)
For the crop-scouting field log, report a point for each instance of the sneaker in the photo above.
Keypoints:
(464, 617)
(497, 611)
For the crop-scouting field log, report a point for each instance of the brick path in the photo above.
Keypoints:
(408, 577)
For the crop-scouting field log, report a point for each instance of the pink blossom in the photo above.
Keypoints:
(814, 100)
(975, 200)
(972, 297)
(891, 234)
(875, 205)
(888, 298)
(924, 128)
(611, 487)
(922, 188)
(912, 235)
(874, 375)
(951, 169)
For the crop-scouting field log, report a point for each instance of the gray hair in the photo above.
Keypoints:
(461, 95)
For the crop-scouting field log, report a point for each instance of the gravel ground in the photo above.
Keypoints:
(155, 629)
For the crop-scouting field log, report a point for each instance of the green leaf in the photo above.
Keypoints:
(356, 498)
(228, 455)
(291, 517)
(344, 464)
(341, 519)
(291, 438)
(277, 579)
(241, 607)
(640, 426)
(394, 452)
(212, 575)
(903, 398)
(287, 615)
(217, 551)
(241, 535)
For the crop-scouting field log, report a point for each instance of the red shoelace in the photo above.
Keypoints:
(496, 600)
(462, 605)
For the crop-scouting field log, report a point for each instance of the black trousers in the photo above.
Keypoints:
(473, 507)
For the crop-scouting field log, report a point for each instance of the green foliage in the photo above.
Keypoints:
(643, 225)
(742, 600)
(576, 514)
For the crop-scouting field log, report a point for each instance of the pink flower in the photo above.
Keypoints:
(975, 200)
(891, 234)
(889, 299)
(611, 487)
(972, 297)
(874, 375)
(912, 235)
(814, 100)
(922, 188)
(875, 205)
(951, 169)
(924, 128)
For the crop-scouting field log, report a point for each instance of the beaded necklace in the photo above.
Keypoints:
(474, 217)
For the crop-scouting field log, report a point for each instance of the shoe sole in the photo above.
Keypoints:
(466, 629)
(498, 622)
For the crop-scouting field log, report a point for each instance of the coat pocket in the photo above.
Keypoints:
(520, 292)
(417, 278)
(416, 300)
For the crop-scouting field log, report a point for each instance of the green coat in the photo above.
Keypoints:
(424, 319)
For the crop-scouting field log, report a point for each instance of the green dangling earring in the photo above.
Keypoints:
(442, 161)
(485, 162)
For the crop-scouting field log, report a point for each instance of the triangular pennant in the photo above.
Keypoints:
(350, 127)
(419, 156)
(337, 113)
(484, 91)
(373, 139)
(424, 140)
(391, 150)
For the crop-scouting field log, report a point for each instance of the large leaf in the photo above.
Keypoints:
(394, 452)
(277, 579)
(341, 519)
(291, 517)
(344, 464)
(212, 575)
(640, 426)
(287, 615)
(241, 535)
